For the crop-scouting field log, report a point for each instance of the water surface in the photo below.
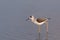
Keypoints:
(14, 12)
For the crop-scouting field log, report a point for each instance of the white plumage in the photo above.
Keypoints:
(37, 21)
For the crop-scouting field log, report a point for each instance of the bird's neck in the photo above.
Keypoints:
(33, 20)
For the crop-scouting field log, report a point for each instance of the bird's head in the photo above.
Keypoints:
(30, 18)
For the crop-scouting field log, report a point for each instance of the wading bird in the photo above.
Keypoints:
(39, 22)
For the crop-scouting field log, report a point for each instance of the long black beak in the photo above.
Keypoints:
(27, 19)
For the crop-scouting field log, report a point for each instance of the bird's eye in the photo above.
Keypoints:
(30, 16)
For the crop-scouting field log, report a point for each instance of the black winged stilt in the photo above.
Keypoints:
(39, 22)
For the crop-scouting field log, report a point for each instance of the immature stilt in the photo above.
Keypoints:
(39, 22)
(46, 31)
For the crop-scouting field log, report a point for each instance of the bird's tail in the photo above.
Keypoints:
(49, 18)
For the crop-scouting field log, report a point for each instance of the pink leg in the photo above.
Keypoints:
(46, 30)
(39, 30)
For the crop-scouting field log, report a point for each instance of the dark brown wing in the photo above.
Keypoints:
(40, 20)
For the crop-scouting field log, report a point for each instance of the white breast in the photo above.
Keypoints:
(38, 23)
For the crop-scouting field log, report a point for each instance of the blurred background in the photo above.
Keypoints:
(13, 15)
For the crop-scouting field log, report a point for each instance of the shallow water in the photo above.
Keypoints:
(14, 12)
